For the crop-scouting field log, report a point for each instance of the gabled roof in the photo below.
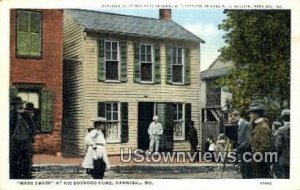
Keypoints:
(218, 68)
(131, 25)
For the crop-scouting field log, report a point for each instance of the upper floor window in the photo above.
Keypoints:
(177, 65)
(111, 60)
(146, 63)
(213, 94)
(28, 33)
(147, 66)
(178, 68)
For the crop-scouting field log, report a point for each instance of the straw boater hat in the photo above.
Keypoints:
(99, 120)
(285, 112)
(235, 112)
(96, 121)
(255, 108)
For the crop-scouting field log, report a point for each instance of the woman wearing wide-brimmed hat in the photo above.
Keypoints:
(260, 140)
(96, 159)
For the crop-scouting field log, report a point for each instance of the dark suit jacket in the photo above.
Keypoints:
(282, 144)
(244, 133)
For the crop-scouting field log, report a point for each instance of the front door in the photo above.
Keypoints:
(145, 115)
(164, 111)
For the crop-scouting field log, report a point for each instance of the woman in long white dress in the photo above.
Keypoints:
(96, 159)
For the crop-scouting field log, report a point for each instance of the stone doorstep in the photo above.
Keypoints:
(138, 168)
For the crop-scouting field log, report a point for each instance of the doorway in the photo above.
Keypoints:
(145, 115)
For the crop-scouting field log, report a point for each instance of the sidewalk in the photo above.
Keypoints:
(58, 167)
(43, 159)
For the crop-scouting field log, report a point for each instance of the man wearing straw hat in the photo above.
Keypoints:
(96, 159)
(155, 131)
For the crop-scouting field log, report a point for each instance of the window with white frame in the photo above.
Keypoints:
(33, 96)
(111, 60)
(112, 113)
(146, 63)
(177, 65)
(178, 121)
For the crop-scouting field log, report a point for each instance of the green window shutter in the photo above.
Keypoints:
(35, 34)
(123, 52)
(22, 21)
(101, 109)
(101, 62)
(188, 117)
(101, 113)
(46, 110)
(35, 44)
(23, 35)
(35, 22)
(29, 33)
(124, 122)
(164, 112)
(169, 65)
(23, 43)
(161, 113)
(137, 65)
(169, 126)
(187, 66)
(13, 91)
(157, 78)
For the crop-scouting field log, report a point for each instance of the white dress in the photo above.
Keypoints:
(96, 149)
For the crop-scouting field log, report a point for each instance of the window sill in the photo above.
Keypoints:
(113, 142)
(179, 139)
(28, 57)
(112, 81)
(178, 84)
(146, 82)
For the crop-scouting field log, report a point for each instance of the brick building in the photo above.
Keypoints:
(36, 70)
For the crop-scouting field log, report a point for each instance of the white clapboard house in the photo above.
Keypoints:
(127, 69)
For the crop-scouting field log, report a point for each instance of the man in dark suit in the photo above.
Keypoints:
(22, 130)
(243, 142)
(194, 140)
(16, 107)
(282, 145)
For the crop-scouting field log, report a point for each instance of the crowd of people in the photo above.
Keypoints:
(257, 136)
(21, 136)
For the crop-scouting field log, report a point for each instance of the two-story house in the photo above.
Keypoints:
(214, 98)
(127, 69)
(36, 66)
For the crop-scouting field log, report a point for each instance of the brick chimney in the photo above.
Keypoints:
(165, 14)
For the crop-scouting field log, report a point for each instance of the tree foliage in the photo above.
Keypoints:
(258, 42)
